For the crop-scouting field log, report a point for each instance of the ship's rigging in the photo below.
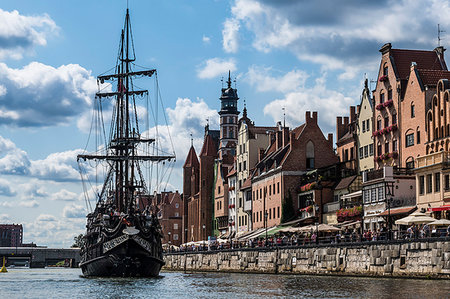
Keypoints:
(128, 157)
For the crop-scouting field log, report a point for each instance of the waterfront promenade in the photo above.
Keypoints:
(397, 258)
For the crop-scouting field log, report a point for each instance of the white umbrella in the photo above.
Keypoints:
(415, 218)
(440, 222)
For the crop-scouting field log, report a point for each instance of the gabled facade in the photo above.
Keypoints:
(276, 176)
(392, 84)
(346, 142)
(252, 140)
(198, 182)
(364, 139)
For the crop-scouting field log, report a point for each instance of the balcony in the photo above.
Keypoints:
(386, 173)
(331, 207)
(433, 159)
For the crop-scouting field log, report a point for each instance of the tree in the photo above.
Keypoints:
(79, 241)
(287, 211)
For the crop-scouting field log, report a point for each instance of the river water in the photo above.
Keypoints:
(68, 283)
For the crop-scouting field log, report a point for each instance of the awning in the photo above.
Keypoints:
(352, 195)
(398, 211)
(442, 208)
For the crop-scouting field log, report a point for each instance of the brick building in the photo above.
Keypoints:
(198, 182)
(388, 96)
(221, 203)
(277, 174)
(346, 129)
(11, 235)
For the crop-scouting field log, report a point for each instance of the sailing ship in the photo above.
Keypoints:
(123, 236)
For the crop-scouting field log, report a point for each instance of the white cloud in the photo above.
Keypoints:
(6, 188)
(74, 211)
(5, 218)
(45, 217)
(336, 35)
(64, 195)
(20, 34)
(329, 103)
(29, 204)
(12, 159)
(216, 66)
(260, 79)
(206, 39)
(6, 204)
(41, 95)
(230, 35)
(60, 166)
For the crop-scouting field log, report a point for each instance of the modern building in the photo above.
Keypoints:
(11, 235)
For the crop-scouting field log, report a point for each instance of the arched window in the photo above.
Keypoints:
(413, 111)
(310, 155)
(417, 136)
(410, 162)
(385, 69)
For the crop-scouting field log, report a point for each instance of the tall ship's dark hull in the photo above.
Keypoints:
(126, 260)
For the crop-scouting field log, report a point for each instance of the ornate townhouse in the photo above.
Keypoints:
(364, 139)
(388, 96)
(346, 141)
(252, 140)
(277, 175)
(432, 170)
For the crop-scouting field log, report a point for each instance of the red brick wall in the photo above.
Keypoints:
(383, 88)
(413, 125)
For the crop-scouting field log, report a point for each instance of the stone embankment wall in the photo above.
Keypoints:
(399, 259)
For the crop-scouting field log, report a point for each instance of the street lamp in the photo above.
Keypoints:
(204, 229)
(169, 233)
(389, 193)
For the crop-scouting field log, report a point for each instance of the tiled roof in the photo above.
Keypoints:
(424, 59)
(297, 131)
(247, 184)
(431, 77)
(345, 182)
(208, 149)
(398, 211)
(232, 172)
(191, 159)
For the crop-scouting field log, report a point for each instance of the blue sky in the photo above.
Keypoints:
(301, 55)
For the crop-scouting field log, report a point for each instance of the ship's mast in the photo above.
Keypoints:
(122, 148)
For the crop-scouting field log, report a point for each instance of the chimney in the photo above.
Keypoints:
(358, 109)
(330, 139)
(314, 117)
(345, 124)
(440, 52)
(339, 127)
(307, 116)
(285, 136)
(260, 154)
(352, 114)
(278, 138)
(386, 48)
(291, 139)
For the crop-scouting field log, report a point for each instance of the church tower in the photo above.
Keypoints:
(228, 120)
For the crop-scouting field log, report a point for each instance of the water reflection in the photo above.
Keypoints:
(67, 283)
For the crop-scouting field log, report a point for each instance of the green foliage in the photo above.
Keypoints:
(79, 241)
(287, 210)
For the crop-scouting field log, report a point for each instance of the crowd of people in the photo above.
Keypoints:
(312, 237)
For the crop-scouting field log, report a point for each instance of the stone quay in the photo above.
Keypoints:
(421, 259)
